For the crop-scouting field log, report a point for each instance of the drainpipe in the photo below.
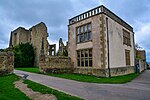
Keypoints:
(109, 70)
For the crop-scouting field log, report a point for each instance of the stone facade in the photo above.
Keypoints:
(105, 72)
(6, 63)
(34, 36)
(107, 44)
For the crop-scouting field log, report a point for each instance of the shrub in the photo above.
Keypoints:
(24, 55)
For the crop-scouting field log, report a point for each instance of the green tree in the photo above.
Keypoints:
(24, 55)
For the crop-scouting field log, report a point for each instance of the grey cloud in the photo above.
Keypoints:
(55, 13)
(129, 10)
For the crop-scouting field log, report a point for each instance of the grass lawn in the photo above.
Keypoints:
(88, 78)
(8, 90)
(46, 90)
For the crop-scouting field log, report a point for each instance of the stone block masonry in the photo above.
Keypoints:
(55, 64)
(6, 63)
(104, 72)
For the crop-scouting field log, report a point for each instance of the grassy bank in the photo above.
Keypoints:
(8, 90)
(46, 90)
(88, 78)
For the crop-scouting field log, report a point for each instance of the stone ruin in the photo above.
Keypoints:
(46, 57)
(62, 48)
(52, 50)
(33, 35)
(6, 62)
(55, 64)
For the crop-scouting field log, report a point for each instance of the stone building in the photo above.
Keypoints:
(140, 60)
(35, 35)
(101, 43)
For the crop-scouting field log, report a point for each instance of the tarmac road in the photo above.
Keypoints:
(138, 89)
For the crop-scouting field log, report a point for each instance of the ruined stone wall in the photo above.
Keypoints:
(37, 33)
(55, 64)
(20, 35)
(34, 36)
(6, 63)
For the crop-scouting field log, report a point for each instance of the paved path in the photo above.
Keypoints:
(138, 89)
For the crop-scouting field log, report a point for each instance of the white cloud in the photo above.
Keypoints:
(142, 36)
(142, 32)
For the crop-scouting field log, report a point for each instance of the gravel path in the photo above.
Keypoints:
(32, 94)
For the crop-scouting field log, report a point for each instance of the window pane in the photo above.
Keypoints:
(89, 36)
(82, 62)
(78, 53)
(85, 28)
(86, 53)
(82, 53)
(78, 62)
(78, 30)
(90, 53)
(90, 62)
(89, 27)
(81, 29)
(86, 62)
(79, 38)
(86, 36)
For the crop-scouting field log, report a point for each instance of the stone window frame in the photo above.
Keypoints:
(86, 35)
(127, 57)
(126, 38)
(85, 59)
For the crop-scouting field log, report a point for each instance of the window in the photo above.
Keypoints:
(84, 58)
(84, 33)
(15, 38)
(127, 55)
(126, 38)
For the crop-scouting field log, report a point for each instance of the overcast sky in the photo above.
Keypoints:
(55, 14)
